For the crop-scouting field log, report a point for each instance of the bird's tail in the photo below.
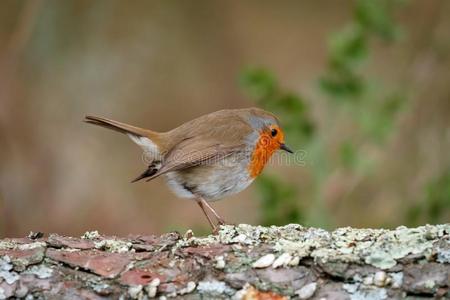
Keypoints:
(118, 126)
(149, 141)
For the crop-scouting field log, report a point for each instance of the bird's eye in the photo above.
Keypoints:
(274, 132)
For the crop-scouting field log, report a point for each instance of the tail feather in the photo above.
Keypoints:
(148, 140)
(117, 126)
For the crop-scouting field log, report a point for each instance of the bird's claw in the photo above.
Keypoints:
(221, 221)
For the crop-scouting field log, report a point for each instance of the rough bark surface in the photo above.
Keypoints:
(240, 262)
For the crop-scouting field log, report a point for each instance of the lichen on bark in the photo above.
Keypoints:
(240, 262)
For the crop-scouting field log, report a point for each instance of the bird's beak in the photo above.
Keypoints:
(286, 148)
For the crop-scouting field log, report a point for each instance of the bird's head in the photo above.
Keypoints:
(269, 138)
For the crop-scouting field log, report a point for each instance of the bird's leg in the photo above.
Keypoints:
(200, 203)
(220, 220)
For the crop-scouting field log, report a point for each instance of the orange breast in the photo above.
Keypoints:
(264, 149)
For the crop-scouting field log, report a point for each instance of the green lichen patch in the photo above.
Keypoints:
(91, 235)
(396, 244)
(6, 271)
(40, 271)
(114, 245)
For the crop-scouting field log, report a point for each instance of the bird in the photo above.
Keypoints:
(208, 158)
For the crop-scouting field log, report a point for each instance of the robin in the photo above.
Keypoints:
(210, 157)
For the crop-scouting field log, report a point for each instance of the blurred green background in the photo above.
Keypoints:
(362, 87)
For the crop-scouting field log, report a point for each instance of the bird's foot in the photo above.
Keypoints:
(221, 221)
(215, 230)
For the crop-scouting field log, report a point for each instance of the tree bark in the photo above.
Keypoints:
(240, 262)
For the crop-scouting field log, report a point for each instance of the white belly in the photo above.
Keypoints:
(210, 182)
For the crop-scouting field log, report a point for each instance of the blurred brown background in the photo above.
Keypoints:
(157, 64)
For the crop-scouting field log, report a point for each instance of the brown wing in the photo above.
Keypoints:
(192, 152)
